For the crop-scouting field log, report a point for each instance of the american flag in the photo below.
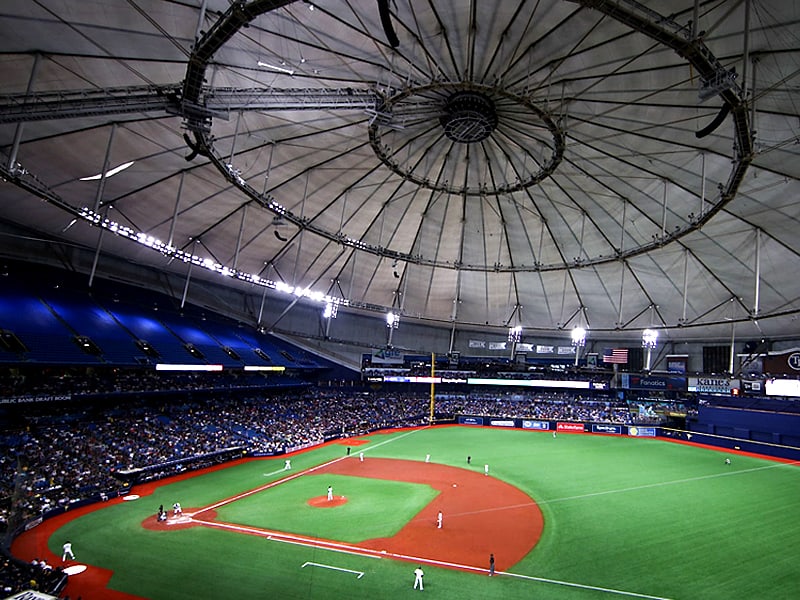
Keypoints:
(615, 355)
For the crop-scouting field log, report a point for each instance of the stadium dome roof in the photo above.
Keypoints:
(547, 163)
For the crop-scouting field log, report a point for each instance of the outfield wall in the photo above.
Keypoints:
(560, 426)
(739, 439)
(775, 434)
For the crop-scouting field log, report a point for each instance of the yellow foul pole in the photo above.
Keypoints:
(433, 370)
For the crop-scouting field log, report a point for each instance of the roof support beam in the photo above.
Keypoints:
(218, 102)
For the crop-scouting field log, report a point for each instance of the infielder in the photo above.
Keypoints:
(67, 551)
(418, 573)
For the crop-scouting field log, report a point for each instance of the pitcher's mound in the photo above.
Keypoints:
(323, 502)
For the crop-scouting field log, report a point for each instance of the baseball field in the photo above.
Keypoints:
(568, 517)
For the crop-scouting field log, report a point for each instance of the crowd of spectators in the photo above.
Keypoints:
(560, 406)
(54, 459)
(16, 576)
(57, 454)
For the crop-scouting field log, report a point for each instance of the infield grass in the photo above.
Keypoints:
(624, 518)
(374, 508)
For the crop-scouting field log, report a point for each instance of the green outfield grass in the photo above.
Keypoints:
(630, 516)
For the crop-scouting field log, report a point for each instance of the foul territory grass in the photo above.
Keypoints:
(623, 517)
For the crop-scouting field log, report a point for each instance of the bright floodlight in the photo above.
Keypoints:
(649, 338)
(578, 336)
(515, 334)
(392, 320)
(330, 311)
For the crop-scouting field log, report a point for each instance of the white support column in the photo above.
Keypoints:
(235, 137)
(12, 157)
(200, 19)
(174, 221)
(746, 48)
(391, 328)
(298, 254)
(101, 186)
(664, 212)
(583, 253)
(188, 278)
(685, 284)
(261, 308)
(239, 238)
(702, 184)
(328, 327)
(269, 168)
(621, 290)
(100, 189)
(753, 128)
(97, 249)
(454, 312)
(757, 282)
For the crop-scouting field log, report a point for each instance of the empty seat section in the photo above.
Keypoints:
(189, 331)
(146, 326)
(116, 345)
(46, 337)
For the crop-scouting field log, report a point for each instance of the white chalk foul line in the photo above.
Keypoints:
(331, 567)
(287, 538)
(583, 586)
(369, 553)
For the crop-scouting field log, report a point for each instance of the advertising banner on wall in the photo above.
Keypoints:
(786, 363)
(387, 357)
(501, 423)
(603, 428)
(637, 382)
(541, 425)
(676, 363)
(642, 431)
(35, 398)
(752, 387)
(782, 387)
(710, 385)
(470, 420)
(570, 427)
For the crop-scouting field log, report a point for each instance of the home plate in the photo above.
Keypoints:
(75, 569)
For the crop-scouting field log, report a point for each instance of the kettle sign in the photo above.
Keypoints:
(794, 361)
